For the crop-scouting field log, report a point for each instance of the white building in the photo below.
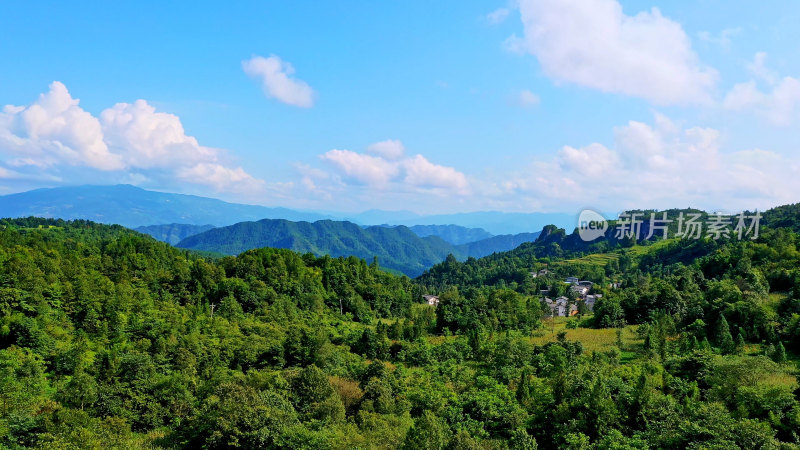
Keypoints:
(431, 299)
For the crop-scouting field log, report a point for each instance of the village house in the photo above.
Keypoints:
(579, 290)
(590, 301)
(571, 280)
(432, 300)
(573, 309)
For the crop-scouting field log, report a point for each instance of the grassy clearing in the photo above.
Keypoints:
(596, 259)
(601, 259)
(593, 340)
(775, 299)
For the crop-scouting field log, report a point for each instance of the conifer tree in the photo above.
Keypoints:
(523, 389)
(739, 344)
(779, 356)
(724, 338)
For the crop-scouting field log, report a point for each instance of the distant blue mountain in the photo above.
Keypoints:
(494, 222)
(454, 234)
(172, 233)
(134, 207)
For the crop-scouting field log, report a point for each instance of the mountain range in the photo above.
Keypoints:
(397, 248)
(172, 233)
(133, 207)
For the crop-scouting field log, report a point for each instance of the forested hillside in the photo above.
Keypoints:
(397, 248)
(111, 339)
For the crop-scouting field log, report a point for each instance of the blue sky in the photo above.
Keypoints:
(536, 105)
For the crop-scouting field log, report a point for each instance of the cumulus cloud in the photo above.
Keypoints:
(219, 177)
(366, 169)
(277, 82)
(56, 130)
(779, 103)
(149, 139)
(391, 170)
(133, 140)
(655, 165)
(593, 43)
(421, 172)
(389, 149)
(592, 160)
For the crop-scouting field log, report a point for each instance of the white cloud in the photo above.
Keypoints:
(593, 43)
(421, 172)
(150, 139)
(592, 160)
(389, 149)
(133, 141)
(781, 105)
(392, 171)
(56, 130)
(759, 68)
(277, 81)
(528, 98)
(372, 170)
(498, 16)
(221, 178)
(655, 166)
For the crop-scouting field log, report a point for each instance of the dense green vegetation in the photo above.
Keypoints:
(109, 338)
(397, 248)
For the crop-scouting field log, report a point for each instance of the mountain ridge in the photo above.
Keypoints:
(397, 248)
(133, 207)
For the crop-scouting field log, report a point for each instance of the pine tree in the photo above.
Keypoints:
(780, 353)
(724, 338)
(740, 343)
(705, 345)
(648, 344)
(523, 389)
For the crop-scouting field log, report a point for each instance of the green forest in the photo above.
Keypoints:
(400, 249)
(111, 339)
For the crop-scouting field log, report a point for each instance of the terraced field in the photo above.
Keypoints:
(601, 259)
